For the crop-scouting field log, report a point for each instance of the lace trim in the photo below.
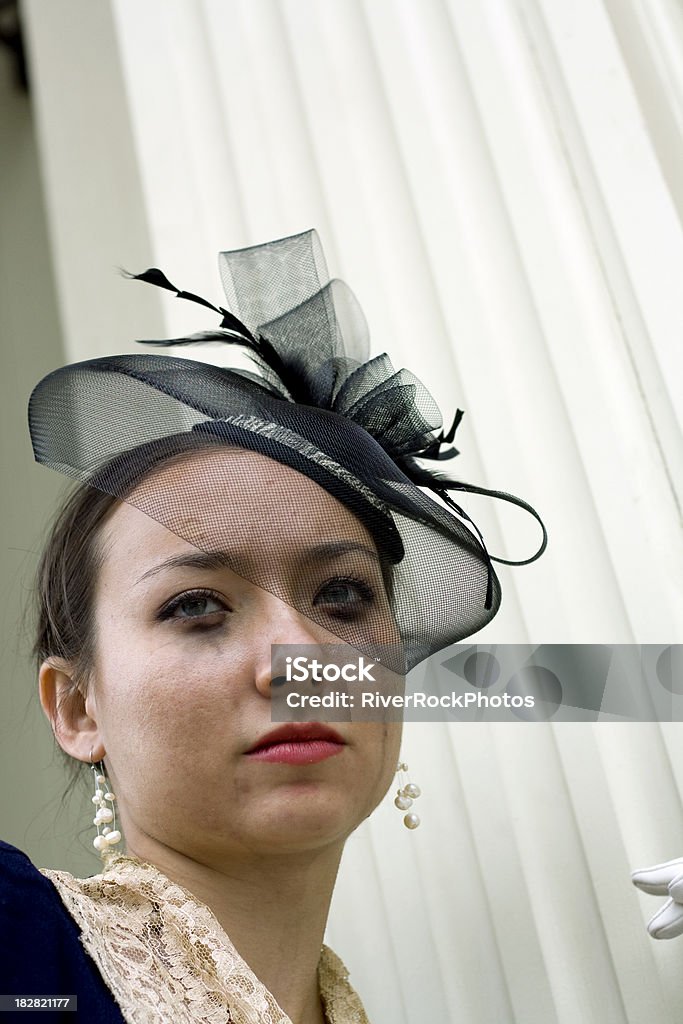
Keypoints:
(165, 957)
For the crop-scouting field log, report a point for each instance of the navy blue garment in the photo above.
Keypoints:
(40, 950)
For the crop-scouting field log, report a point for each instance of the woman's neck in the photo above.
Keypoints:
(274, 909)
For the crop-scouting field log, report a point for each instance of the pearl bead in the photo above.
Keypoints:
(106, 830)
(412, 790)
(403, 802)
(100, 778)
(104, 815)
(96, 821)
(97, 797)
(109, 796)
(411, 821)
(113, 838)
(100, 843)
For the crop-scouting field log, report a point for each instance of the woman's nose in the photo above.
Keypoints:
(285, 627)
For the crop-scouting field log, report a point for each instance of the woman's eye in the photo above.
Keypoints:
(197, 605)
(344, 597)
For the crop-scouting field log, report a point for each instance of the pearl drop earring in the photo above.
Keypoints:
(406, 793)
(105, 817)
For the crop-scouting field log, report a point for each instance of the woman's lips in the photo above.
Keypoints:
(297, 751)
(297, 743)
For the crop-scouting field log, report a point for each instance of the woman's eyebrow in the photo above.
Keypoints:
(212, 560)
(335, 549)
(200, 560)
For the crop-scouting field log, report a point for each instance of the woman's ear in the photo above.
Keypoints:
(70, 716)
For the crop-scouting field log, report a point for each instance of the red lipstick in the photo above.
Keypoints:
(297, 743)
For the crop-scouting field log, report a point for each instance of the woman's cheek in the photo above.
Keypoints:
(161, 705)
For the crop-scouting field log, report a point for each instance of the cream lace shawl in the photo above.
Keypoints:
(165, 957)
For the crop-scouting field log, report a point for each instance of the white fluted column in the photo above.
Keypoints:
(499, 183)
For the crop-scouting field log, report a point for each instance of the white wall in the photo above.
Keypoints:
(31, 345)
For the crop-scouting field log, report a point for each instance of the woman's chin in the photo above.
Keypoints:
(305, 825)
(299, 818)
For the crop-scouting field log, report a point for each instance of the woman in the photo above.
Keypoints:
(220, 513)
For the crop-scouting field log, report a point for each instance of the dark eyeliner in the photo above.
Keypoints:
(366, 592)
(166, 612)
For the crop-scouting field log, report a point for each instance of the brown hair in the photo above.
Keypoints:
(64, 594)
(65, 581)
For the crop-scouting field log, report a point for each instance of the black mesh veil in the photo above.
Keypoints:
(344, 438)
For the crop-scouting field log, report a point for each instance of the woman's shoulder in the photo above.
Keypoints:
(30, 905)
(42, 952)
(23, 888)
(13, 859)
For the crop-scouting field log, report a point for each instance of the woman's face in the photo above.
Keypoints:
(181, 685)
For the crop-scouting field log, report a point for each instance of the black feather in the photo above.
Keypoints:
(152, 276)
(193, 339)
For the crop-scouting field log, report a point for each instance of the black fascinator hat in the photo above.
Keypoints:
(315, 403)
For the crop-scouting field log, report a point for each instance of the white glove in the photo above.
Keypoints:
(664, 880)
